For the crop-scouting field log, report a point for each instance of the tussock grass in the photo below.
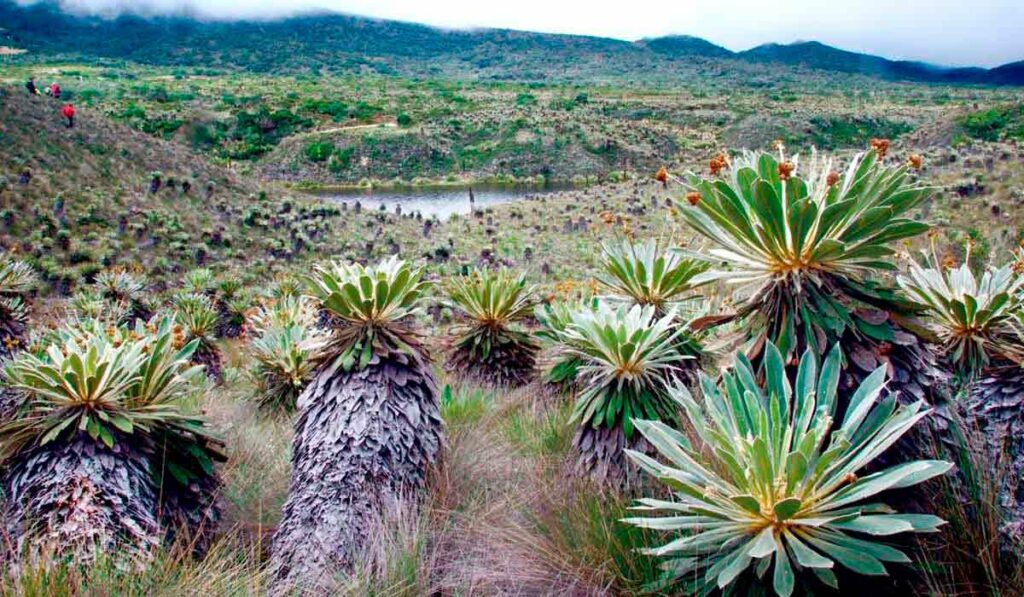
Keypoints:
(969, 557)
(543, 433)
(257, 472)
(231, 567)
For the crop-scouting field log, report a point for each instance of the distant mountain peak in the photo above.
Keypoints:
(684, 45)
(348, 43)
(818, 55)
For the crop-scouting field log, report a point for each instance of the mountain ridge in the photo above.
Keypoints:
(337, 41)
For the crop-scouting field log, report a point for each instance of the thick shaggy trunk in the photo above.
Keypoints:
(77, 498)
(510, 364)
(190, 514)
(209, 356)
(12, 337)
(601, 455)
(994, 408)
(911, 366)
(8, 404)
(363, 439)
(229, 325)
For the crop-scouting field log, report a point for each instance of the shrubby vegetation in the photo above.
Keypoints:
(995, 124)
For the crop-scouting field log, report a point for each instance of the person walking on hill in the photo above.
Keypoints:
(55, 90)
(31, 86)
(68, 111)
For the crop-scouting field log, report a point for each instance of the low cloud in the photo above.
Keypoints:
(949, 32)
(204, 9)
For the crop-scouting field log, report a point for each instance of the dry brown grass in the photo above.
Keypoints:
(969, 557)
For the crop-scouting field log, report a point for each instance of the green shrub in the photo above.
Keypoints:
(319, 151)
(831, 133)
(994, 124)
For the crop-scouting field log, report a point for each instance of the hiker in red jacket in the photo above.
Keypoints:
(69, 112)
(55, 90)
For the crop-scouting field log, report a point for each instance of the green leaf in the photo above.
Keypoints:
(763, 545)
(783, 580)
(826, 576)
(859, 562)
(106, 436)
(748, 503)
(122, 422)
(787, 508)
(805, 556)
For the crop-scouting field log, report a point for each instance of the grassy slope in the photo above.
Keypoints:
(101, 172)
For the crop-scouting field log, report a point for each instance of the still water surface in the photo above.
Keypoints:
(437, 201)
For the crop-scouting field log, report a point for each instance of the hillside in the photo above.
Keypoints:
(88, 207)
(681, 46)
(88, 203)
(817, 55)
(347, 44)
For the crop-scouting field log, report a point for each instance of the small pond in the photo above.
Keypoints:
(437, 201)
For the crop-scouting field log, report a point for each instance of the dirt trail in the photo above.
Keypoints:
(340, 129)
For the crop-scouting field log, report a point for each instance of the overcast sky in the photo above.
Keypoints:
(952, 32)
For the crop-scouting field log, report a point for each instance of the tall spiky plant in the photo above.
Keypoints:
(492, 347)
(232, 303)
(288, 347)
(772, 483)
(976, 319)
(120, 285)
(16, 280)
(369, 423)
(86, 304)
(554, 318)
(646, 274)
(198, 281)
(101, 453)
(804, 247)
(626, 357)
(979, 323)
(198, 319)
